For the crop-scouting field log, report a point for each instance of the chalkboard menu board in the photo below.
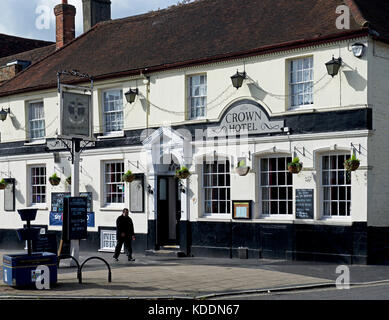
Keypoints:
(57, 200)
(75, 219)
(45, 243)
(304, 203)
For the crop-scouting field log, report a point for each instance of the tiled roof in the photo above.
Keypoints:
(200, 32)
(10, 45)
(32, 55)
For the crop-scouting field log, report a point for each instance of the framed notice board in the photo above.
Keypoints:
(137, 191)
(57, 199)
(9, 195)
(304, 203)
(241, 209)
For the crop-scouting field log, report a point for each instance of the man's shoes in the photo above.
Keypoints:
(131, 259)
(114, 258)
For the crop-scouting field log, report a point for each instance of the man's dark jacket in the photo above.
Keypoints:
(124, 225)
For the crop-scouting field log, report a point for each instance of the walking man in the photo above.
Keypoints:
(124, 234)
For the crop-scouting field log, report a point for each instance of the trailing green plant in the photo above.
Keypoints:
(128, 176)
(242, 163)
(69, 180)
(3, 184)
(182, 173)
(54, 179)
(295, 166)
(352, 163)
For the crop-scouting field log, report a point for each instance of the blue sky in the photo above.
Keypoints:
(24, 18)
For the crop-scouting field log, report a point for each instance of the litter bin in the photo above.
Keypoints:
(19, 270)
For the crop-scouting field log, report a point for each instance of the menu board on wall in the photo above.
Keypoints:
(9, 195)
(57, 200)
(304, 203)
(137, 194)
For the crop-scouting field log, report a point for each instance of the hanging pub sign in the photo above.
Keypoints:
(74, 218)
(76, 115)
(245, 117)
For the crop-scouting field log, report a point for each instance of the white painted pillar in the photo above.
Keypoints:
(75, 192)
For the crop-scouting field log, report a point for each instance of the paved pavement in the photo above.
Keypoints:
(166, 277)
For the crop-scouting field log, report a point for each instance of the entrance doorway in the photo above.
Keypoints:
(168, 210)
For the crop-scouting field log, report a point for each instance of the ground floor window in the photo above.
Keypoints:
(216, 185)
(38, 184)
(276, 186)
(336, 183)
(114, 186)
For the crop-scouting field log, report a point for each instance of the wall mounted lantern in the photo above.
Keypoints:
(3, 114)
(358, 49)
(131, 95)
(333, 66)
(237, 79)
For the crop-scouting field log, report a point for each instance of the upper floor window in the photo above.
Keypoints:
(36, 120)
(301, 82)
(197, 98)
(113, 110)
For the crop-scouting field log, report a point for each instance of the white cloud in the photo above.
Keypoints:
(18, 17)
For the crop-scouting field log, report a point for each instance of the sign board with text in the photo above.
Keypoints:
(304, 203)
(75, 220)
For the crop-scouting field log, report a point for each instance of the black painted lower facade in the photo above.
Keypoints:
(354, 244)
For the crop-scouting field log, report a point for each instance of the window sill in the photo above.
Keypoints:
(42, 207)
(113, 208)
(35, 142)
(118, 134)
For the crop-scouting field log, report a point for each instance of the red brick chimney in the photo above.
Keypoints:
(65, 23)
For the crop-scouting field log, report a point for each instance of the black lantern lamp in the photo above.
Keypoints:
(237, 79)
(131, 95)
(3, 114)
(333, 66)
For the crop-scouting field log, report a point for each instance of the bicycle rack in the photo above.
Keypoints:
(97, 258)
(79, 277)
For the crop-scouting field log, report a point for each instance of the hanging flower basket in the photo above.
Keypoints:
(128, 177)
(54, 180)
(182, 173)
(242, 169)
(3, 184)
(295, 166)
(69, 180)
(351, 164)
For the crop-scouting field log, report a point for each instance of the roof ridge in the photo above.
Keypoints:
(17, 37)
(152, 13)
(357, 13)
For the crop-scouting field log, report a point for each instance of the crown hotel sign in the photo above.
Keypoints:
(245, 117)
(76, 115)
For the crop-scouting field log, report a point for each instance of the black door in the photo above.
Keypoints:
(168, 211)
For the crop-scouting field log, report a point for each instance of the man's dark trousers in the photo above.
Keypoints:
(127, 246)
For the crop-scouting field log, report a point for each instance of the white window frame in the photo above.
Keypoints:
(105, 183)
(204, 188)
(104, 113)
(302, 82)
(287, 216)
(322, 186)
(190, 96)
(37, 120)
(31, 186)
